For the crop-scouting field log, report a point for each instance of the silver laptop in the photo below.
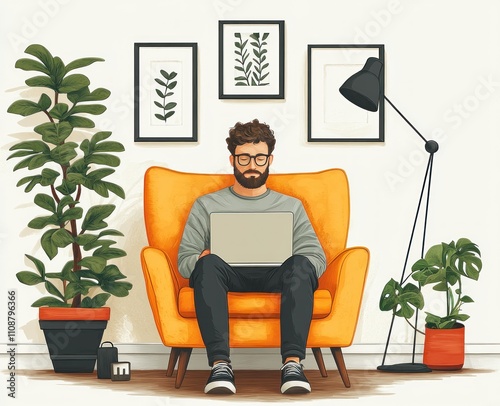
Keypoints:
(252, 239)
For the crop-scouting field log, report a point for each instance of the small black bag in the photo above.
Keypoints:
(105, 357)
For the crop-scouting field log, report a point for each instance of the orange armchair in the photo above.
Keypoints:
(253, 317)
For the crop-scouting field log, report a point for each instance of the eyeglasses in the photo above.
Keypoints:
(259, 159)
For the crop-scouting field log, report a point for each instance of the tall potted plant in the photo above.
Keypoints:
(444, 267)
(65, 166)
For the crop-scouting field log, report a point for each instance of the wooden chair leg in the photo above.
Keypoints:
(339, 360)
(184, 355)
(318, 356)
(174, 356)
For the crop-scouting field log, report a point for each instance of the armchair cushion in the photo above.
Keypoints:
(251, 304)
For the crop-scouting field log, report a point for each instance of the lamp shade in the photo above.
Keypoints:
(363, 88)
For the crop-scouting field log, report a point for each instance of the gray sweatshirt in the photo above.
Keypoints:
(196, 236)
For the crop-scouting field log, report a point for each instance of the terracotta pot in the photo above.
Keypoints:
(73, 336)
(444, 349)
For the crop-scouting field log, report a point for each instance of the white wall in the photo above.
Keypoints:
(442, 71)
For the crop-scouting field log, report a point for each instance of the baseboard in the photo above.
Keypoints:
(357, 356)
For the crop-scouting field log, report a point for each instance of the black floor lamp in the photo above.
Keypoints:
(363, 89)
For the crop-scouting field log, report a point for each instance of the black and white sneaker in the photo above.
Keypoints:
(293, 379)
(221, 379)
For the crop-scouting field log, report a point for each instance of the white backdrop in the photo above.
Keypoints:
(442, 71)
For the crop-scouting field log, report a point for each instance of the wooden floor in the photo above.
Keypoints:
(257, 386)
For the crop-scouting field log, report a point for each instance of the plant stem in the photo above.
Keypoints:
(414, 328)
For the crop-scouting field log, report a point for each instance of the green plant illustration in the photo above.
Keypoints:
(65, 167)
(168, 84)
(260, 65)
(242, 64)
(252, 72)
(443, 266)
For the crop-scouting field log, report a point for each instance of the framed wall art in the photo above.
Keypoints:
(251, 60)
(165, 92)
(330, 116)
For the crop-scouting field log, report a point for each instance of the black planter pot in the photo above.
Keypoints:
(73, 344)
(73, 336)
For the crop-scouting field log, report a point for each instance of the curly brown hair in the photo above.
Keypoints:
(251, 132)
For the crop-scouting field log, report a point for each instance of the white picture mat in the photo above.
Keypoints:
(332, 115)
(151, 59)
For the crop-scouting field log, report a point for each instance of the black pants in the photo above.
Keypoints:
(295, 279)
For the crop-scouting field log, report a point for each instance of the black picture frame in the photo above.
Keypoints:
(168, 69)
(260, 43)
(331, 117)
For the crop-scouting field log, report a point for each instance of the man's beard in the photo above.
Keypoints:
(253, 182)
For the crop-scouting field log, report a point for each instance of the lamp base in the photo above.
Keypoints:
(410, 367)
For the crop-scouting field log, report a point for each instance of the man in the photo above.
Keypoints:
(251, 146)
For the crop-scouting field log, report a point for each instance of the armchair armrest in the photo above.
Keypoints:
(345, 278)
(162, 290)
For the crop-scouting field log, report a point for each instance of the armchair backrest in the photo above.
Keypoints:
(169, 195)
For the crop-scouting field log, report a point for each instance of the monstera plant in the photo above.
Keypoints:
(445, 266)
(66, 165)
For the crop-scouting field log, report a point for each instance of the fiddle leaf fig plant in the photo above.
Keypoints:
(443, 267)
(64, 166)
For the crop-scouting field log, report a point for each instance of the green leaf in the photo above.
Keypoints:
(110, 146)
(29, 278)
(86, 302)
(73, 83)
(111, 232)
(44, 102)
(47, 244)
(111, 273)
(66, 187)
(38, 161)
(62, 238)
(41, 222)
(117, 190)
(31, 65)
(95, 216)
(74, 213)
(98, 137)
(84, 95)
(100, 299)
(84, 239)
(34, 146)
(119, 289)
(53, 290)
(45, 202)
(54, 133)
(59, 111)
(95, 109)
(160, 82)
(172, 85)
(42, 53)
(467, 299)
(81, 63)
(64, 153)
(110, 253)
(104, 159)
(24, 108)
(170, 105)
(172, 75)
(68, 274)
(38, 264)
(50, 302)
(49, 176)
(95, 264)
(99, 174)
(80, 122)
(41, 81)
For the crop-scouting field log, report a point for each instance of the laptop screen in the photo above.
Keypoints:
(252, 239)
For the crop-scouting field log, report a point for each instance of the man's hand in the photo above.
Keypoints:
(205, 252)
